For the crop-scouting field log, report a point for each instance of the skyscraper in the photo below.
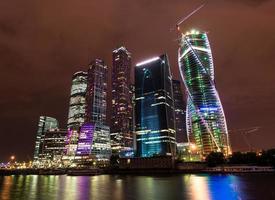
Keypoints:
(96, 95)
(96, 112)
(77, 110)
(101, 148)
(72, 142)
(154, 108)
(206, 122)
(122, 108)
(180, 121)
(85, 140)
(53, 147)
(45, 123)
(77, 100)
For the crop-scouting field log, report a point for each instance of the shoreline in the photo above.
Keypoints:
(94, 172)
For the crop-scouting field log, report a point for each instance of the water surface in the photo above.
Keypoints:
(115, 187)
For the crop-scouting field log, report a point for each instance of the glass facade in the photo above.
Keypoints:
(122, 108)
(71, 142)
(180, 105)
(45, 123)
(96, 95)
(101, 148)
(205, 119)
(77, 100)
(85, 139)
(154, 108)
(53, 147)
(96, 98)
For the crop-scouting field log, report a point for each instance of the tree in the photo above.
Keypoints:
(236, 158)
(114, 159)
(268, 157)
(214, 159)
(250, 158)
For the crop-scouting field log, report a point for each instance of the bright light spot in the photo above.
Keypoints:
(148, 61)
(193, 147)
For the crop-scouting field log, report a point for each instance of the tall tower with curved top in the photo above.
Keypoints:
(205, 119)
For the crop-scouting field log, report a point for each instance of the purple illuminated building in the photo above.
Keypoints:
(71, 142)
(85, 140)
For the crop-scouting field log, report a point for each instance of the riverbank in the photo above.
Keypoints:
(96, 171)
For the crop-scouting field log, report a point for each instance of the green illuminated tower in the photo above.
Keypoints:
(205, 120)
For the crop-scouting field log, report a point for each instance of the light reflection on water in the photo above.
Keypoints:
(194, 187)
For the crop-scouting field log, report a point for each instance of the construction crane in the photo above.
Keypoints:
(188, 16)
(188, 92)
(245, 132)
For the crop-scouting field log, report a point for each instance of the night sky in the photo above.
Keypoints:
(42, 43)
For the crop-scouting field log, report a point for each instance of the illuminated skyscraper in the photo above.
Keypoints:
(77, 110)
(180, 121)
(122, 108)
(154, 108)
(85, 140)
(77, 100)
(71, 142)
(101, 148)
(53, 147)
(96, 95)
(96, 99)
(45, 123)
(206, 124)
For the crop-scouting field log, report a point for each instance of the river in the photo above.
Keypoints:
(116, 187)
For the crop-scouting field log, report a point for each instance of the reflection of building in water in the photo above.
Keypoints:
(199, 187)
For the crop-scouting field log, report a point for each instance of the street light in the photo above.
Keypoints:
(193, 147)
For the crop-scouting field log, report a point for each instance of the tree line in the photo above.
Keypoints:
(265, 158)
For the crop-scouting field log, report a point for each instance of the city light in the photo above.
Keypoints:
(202, 118)
(147, 61)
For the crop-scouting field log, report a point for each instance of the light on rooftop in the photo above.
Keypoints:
(147, 61)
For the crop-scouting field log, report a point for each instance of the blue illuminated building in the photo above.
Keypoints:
(154, 115)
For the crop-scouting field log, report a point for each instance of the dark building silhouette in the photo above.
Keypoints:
(180, 117)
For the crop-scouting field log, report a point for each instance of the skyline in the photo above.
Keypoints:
(23, 105)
